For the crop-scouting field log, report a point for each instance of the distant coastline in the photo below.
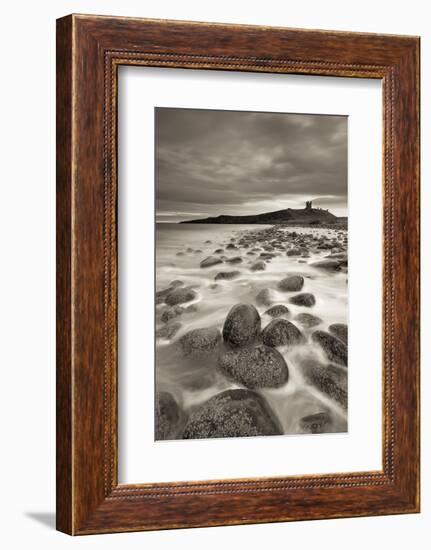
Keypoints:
(289, 216)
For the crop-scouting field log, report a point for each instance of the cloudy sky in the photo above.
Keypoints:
(233, 162)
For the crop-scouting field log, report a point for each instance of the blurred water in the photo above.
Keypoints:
(193, 382)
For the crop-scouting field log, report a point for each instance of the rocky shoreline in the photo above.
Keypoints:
(251, 349)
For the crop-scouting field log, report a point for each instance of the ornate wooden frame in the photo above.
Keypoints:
(89, 51)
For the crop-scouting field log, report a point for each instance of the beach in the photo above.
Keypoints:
(251, 324)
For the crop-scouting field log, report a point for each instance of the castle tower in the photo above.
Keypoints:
(308, 205)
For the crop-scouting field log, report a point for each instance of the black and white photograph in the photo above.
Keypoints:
(251, 273)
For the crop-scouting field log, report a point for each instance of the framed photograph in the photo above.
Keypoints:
(237, 274)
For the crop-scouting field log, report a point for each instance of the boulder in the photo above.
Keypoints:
(307, 320)
(176, 283)
(242, 325)
(334, 349)
(305, 299)
(168, 331)
(227, 275)
(340, 331)
(171, 313)
(167, 417)
(233, 413)
(281, 332)
(277, 311)
(199, 342)
(255, 367)
(235, 260)
(293, 252)
(329, 379)
(180, 296)
(264, 297)
(293, 283)
(258, 266)
(318, 423)
(327, 265)
(210, 261)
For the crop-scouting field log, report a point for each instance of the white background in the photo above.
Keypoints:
(141, 458)
(27, 122)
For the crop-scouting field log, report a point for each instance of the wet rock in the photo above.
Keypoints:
(293, 252)
(167, 417)
(231, 246)
(180, 296)
(180, 254)
(307, 320)
(242, 325)
(210, 261)
(214, 286)
(264, 297)
(281, 332)
(227, 275)
(219, 251)
(266, 256)
(233, 413)
(161, 295)
(176, 283)
(255, 367)
(168, 331)
(318, 423)
(329, 379)
(293, 283)
(340, 331)
(199, 342)
(258, 266)
(277, 311)
(334, 349)
(327, 265)
(304, 299)
(171, 313)
(235, 260)
(191, 309)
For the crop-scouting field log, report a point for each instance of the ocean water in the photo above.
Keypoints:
(192, 382)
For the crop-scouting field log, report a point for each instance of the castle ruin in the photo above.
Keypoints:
(308, 205)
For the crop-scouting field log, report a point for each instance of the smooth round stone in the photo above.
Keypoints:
(335, 349)
(329, 379)
(317, 423)
(255, 367)
(167, 416)
(293, 252)
(328, 265)
(305, 299)
(258, 266)
(171, 313)
(233, 413)
(308, 320)
(227, 275)
(199, 341)
(264, 297)
(210, 261)
(168, 331)
(180, 296)
(293, 283)
(242, 325)
(235, 260)
(340, 331)
(277, 311)
(281, 332)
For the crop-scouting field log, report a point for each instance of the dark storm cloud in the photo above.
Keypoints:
(231, 162)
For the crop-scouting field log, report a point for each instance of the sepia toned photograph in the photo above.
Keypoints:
(251, 246)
